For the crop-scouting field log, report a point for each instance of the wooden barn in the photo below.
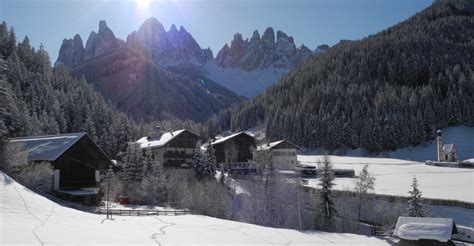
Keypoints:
(175, 149)
(425, 231)
(75, 159)
(235, 150)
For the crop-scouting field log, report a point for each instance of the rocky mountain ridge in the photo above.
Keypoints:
(262, 52)
(246, 67)
(178, 47)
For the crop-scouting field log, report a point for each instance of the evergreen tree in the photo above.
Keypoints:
(204, 163)
(353, 96)
(327, 206)
(153, 185)
(133, 165)
(415, 208)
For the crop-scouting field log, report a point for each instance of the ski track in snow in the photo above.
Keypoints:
(32, 215)
(161, 229)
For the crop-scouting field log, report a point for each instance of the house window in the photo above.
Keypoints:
(446, 157)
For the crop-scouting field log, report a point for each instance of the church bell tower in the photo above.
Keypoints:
(439, 142)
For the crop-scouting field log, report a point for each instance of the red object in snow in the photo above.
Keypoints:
(123, 200)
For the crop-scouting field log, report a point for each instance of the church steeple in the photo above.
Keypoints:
(439, 142)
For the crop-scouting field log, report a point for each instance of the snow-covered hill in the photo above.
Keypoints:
(244, 82)
(394, 176)
(28, 218)
(461, 136)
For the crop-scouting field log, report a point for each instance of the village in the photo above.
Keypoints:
(80, 167)
(177, 122)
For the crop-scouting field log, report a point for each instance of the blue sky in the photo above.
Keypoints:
(211, 22)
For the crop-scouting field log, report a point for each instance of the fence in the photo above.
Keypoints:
(144, 212)
(394, 198)
(113, 211)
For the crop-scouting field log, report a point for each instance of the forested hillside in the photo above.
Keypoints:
(389, 90)
(36, 99)
(137, 75)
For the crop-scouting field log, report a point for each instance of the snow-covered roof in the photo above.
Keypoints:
(448, 147)
(416, 228)
(274, 144)
(223, 139)
(165, 138)
(270, 145)
(48, 148)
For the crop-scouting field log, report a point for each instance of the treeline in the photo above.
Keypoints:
(387, 91)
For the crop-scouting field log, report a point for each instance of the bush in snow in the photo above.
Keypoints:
(15, 163)
(13, 157)
(272, 201)
(363, 184)
(205, 196)
(111, 184)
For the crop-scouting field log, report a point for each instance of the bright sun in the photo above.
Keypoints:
(143, 3)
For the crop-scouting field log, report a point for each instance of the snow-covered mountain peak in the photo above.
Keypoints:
(260, 53)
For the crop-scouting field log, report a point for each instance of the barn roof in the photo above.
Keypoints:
(224, 139)
(275, 144)
(164, 139)
(48, 148)
(416, 228)
(449, 147)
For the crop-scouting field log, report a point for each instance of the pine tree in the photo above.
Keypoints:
(204, 163)
(327, 206)
(133, 163)
(415, 208)
(153, 185)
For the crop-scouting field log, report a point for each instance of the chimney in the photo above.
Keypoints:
(439, 143)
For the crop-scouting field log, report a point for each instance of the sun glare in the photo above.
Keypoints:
(143, 3)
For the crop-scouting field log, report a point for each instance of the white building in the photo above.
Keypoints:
(175, 149)
(283, 154)
(449, 153)
(446, 152)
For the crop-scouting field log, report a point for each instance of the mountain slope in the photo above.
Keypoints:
(134, 74)
(389, 90)
(49, 101)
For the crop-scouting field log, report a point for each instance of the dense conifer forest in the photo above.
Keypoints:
(37, 99)
(386, 91)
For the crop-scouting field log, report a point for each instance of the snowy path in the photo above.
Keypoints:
(27, 218)
(393, 176)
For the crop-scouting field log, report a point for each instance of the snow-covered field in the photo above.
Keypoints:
(461, 136)
(28, 218)
(394, 176)
(242, 82)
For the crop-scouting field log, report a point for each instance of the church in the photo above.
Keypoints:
(446, 152)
